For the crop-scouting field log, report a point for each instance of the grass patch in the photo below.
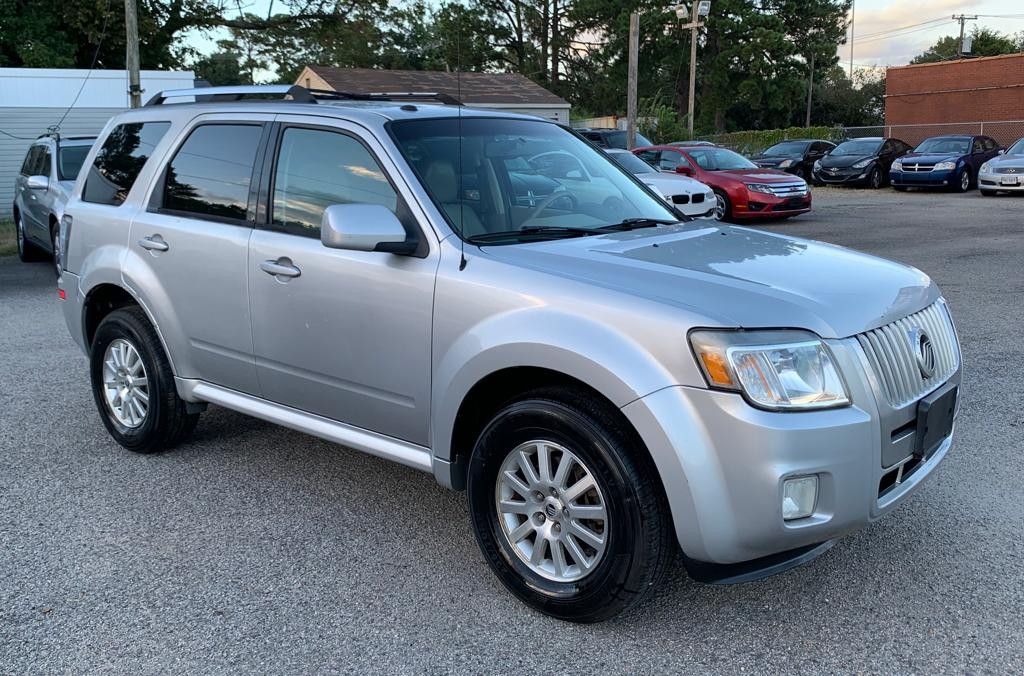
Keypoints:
(8, 239)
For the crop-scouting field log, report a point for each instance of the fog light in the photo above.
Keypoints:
(798, 497)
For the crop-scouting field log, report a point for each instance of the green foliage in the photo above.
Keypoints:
(755, 141)
(987, 42)
(221, 68)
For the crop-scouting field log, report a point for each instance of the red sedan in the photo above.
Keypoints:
(743, 190)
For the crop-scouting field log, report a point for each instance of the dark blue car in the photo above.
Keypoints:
(950, 162)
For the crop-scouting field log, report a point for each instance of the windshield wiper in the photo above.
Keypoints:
(635, 223)
(553, 231)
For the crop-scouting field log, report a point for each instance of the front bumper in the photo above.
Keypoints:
(723, 464)
(843, 176)
(924, 179)
(995, 182)
(764, 205)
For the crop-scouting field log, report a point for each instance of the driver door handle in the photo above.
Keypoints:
(282, 267)
(154, 243)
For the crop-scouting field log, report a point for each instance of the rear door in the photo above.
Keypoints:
(36, 200)
(189, 249)
(347, 334)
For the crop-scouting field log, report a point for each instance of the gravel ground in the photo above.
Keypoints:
(255, 548)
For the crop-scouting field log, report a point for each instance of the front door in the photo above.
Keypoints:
(344, 334)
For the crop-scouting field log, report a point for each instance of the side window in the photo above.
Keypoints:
(210, 174)
(593, 137)
(990, 144)
(119, 161)
(670, 161)
(30, 160)
(978, 146)
(44, 167)
(650, 157)
(317, 168)
(888, 147)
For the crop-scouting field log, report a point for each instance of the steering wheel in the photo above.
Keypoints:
(547, 201)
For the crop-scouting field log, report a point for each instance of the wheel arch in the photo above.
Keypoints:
(105, 297)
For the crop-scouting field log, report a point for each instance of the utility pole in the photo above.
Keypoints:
(634, 49)
(853, 16)
(962, 18)
(810, 89)
(700, 9)
(131, 24)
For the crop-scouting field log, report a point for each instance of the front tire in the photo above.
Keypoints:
(875, 179)
(723, 208)
(964, 183)
(133, 385)
(989, 193)
(567, 508)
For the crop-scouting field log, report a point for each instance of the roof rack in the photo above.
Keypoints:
(294, 94)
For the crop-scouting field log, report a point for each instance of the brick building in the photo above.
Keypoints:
(968, 96)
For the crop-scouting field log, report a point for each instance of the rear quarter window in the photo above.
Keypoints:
(120, 160)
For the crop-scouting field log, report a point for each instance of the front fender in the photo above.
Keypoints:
(592, 352)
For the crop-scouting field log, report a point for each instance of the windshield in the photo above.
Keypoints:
(945, 146)
(617, 139)
(719, 159)
(858, 147)
(1016, 149)
(787, 149)
(632, 163)
(514, 174)
(70, 160)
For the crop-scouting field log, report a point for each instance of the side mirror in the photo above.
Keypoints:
(364, 227)
(1002, 151)
(38, 182)
(684, 170)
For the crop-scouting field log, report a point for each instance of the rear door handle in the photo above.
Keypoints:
(282, 267)
(154, 243)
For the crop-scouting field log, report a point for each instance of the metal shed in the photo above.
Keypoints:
(32, 99)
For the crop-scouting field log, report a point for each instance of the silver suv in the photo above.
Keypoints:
(616, 390)
(41, 190)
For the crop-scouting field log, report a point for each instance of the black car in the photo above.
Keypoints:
(612, 138)
(860, 161)
(796, 157)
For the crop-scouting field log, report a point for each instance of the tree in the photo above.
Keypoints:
(986, 42)
(222, 68)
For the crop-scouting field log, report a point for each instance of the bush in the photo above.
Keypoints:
(755, 141)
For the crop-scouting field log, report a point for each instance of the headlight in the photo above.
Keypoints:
(986, 168)
(817, 165)
(897, 166)
(760, 187)
(864, 163)
(784, 164)
(945, 166)
(776, 370)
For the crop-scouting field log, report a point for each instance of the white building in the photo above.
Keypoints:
(33, 99)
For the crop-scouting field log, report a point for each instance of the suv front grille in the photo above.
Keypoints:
(894, 359)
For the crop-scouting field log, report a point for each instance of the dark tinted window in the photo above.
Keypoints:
(670, 161)
(978, 146)
(31, 159)
(210, 174)
(990, 144)
(120, 159)
(649, 156)
(317, 168)
(43, 168)
(69, 161)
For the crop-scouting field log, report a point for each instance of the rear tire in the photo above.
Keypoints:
(568, 576)
(55, 248)
(135, 394)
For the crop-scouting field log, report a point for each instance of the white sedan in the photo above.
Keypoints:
(687, 195)
(1003, 173)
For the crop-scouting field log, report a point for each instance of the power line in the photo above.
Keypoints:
(900, 28)
(904, 32)
(95, 56)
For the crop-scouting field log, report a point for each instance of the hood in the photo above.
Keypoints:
(843, 161)
(674, 184)
(773, 160)
(928, 158)
(738, 277)
(1006, 161)
(757, 175)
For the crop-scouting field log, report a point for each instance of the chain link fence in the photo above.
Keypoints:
(753, 142)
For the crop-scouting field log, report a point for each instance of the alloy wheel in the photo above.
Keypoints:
(20, 230)
(125, 383)
(551, 511)
(719, 207)
(965, 181)
(55, 241)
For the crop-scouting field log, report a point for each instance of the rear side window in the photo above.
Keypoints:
(210, 174)
(978, 146)
(119, 161)
(43, 168)
(69, 161)
(318, 168)
(990, 144)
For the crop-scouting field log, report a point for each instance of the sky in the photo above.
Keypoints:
(877, 40)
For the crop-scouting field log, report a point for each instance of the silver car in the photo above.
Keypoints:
(41, 190)
(616, 390)
(1003, 173)
(687, 195)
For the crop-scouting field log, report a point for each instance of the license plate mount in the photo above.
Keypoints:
(935, 419)
(1008, 180)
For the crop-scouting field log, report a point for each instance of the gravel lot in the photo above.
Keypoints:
(255, 548)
